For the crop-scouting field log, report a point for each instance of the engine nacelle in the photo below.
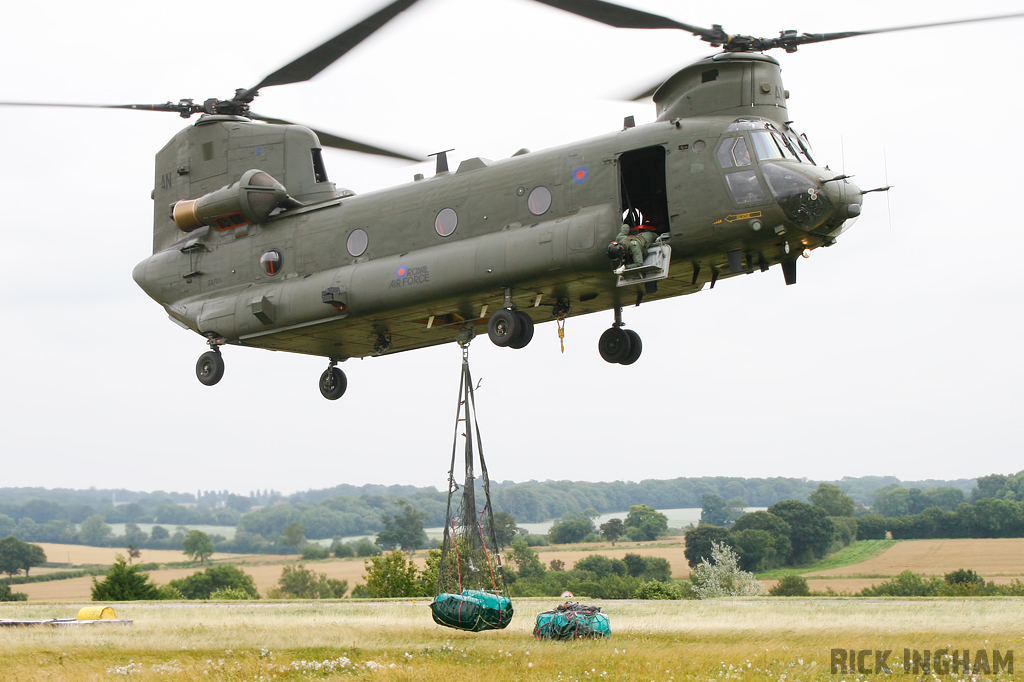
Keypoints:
(251, 200)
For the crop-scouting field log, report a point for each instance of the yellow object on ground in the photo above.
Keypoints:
(96, 613)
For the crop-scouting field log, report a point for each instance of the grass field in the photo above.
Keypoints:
(760, 639)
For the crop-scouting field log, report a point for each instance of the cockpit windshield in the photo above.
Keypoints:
(765, 147)
(770, 143)
(802, 143)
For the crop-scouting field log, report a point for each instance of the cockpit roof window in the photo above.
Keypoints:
(749, 123)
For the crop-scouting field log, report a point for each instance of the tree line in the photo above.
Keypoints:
(792, 532)
(261, 518)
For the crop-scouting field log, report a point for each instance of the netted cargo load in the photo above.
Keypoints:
(471, 592)
(572, 621)
(473, 610)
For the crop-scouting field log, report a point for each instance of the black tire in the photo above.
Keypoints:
(502, 327)
(635, 348)
(210, 368)
(524, 331)
(333, 383)
(614, 345)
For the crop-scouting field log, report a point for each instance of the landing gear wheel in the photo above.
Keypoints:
(635, 348)
(614, 345)
(524, 330)
(333, 383)
(210, 368)
(502, 327)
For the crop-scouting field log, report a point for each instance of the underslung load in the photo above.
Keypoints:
(471, 592)
(572, 621)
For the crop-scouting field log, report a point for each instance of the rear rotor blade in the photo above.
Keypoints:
(318, 59)
(338, 142)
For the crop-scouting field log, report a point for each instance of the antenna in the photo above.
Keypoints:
(442, 161)
(888, 204)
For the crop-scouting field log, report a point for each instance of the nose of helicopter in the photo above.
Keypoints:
(814, 198)
(847, 198)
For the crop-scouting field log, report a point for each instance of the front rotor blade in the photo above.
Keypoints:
(318, 59)
(806, 38)
(627, 17)
(166, 106)
(337, 142)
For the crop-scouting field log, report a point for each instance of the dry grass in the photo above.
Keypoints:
(758, 639)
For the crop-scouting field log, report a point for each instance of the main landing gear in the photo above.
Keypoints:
(509, 327)
(618, 345)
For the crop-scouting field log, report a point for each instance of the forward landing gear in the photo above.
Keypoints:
(210, 366)
(333, 381)
(618, 345)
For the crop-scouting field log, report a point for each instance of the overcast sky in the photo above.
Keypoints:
(899, 352)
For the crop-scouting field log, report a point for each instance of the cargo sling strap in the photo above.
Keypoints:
(471, 592)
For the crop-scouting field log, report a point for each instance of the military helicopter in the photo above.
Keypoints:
(253, 245)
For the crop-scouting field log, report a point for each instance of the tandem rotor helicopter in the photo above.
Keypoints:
(254, 245)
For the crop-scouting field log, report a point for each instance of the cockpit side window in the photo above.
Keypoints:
(744, 187)
(724, 149)
(733, 152)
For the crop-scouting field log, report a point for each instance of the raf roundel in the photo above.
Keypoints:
(400, 272)
(579, 176)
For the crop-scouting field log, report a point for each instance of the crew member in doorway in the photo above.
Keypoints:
(636, 241)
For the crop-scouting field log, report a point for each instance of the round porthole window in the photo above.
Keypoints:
(271, 262)
(539, 200)
(446, 222)
(357, 242)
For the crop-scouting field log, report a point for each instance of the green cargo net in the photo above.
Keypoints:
(572, 621)
(471, 592)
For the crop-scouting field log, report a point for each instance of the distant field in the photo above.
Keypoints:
(227, 532)
(751, 639)
(265, 572)
(80, 555)
(1000, 560)
(991, 558)
(570, 554)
